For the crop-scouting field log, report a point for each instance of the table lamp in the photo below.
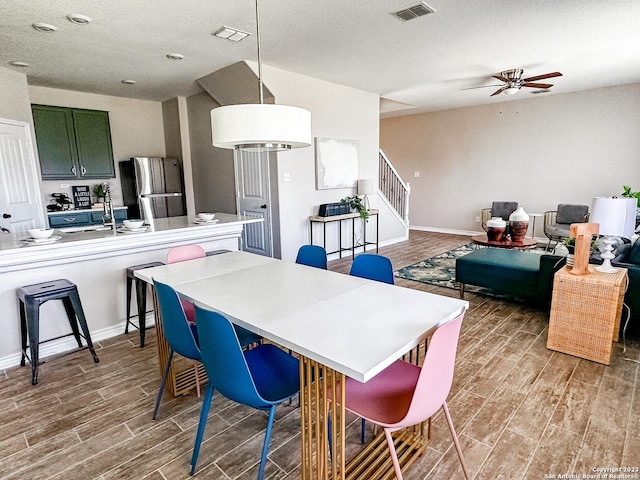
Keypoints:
(365, 188)
(616, 218)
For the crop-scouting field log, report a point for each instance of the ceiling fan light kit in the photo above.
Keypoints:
(513, 81)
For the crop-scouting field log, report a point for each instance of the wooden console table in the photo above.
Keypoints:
(340, 218)
(585, 313)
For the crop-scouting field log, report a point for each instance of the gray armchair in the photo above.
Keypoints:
(498, 209)
(557, 222)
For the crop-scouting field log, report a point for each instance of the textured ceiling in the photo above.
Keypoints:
(416, 66)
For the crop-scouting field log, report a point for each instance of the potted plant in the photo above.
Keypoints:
(357, 205)
(99, 191)
(570, 244)
(629, 194)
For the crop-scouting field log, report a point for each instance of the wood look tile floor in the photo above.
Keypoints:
(521, 411)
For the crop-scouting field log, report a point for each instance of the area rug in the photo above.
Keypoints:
(441, 271)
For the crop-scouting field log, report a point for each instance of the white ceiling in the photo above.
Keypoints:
(423, 63)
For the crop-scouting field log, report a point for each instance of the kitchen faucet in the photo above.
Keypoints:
(108, 219)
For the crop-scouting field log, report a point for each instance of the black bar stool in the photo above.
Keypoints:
(30, 299)
(141, 299)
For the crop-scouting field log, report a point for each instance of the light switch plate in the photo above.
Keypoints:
(416, 174)
(286, 177)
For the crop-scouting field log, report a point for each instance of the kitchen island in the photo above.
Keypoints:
(96, 261)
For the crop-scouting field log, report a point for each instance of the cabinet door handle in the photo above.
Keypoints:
(70, 219)
(73, 170)
(83, 171)
(6, 215)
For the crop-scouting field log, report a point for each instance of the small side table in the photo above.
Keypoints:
(533, 217)
(585, 313)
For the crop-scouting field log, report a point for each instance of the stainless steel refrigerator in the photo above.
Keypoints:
(152, 187)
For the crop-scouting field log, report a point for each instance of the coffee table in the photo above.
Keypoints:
(525, 244)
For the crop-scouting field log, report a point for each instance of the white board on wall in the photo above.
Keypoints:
(336, 163)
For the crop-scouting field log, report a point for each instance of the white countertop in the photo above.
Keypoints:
(16, 253)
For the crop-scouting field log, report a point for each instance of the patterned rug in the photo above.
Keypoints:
(441, 271)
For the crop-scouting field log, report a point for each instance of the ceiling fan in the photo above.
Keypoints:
(513, 81)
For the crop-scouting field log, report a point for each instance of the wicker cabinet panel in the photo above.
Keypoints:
(585, 313)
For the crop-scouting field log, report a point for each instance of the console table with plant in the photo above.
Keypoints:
(340, 219)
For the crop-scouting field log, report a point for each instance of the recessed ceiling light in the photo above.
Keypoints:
(129, 82)
(231, 34)
(19, 64)
(79, 19)
(44, 27)
(175, 56)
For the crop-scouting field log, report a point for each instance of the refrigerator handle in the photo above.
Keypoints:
(160, 195)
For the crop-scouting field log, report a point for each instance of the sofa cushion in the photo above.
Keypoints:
(633, 256)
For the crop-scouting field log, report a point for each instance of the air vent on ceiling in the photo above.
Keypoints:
(414, 11)
(536, 92)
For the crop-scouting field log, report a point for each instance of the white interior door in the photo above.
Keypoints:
(20, 199)
(254, 198)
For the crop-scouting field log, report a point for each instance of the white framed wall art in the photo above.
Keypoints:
(336, 163)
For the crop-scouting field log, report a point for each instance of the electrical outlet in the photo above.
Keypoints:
(64, 185)
(286, 177)
(477, 219)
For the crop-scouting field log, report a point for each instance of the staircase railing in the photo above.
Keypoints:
(392, 186)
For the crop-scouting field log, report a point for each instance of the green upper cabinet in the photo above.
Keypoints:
(73, 143)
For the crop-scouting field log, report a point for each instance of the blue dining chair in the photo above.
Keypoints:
(182, 336)
(261, 378)
(373, 267)
(313, 256)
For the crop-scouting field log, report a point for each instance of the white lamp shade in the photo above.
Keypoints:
(615, 216)
(511, 90)
(260, 126)
(365, 186)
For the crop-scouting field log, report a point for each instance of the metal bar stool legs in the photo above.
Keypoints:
(141, 299)
(30, 298)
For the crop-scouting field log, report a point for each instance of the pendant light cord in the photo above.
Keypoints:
(260, 93)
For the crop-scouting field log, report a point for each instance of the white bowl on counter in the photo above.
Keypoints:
(40, 233)
(133, 224)
(206, 217)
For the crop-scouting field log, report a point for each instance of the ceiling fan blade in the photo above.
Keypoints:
(500, 90)
(538, 85)
(501, 78)
(542, 77)
(482, 86)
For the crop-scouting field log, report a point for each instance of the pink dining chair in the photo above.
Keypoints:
(181, 254)
(405, 394)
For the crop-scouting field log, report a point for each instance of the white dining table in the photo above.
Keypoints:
(338, 324)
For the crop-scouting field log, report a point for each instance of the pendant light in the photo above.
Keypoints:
(260, 126)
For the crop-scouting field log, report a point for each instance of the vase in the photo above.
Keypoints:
(518, 224)
(496, 228)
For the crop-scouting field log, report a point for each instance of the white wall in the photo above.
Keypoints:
(337, 112)
(136, 129)
(539, 151)
(14, 96)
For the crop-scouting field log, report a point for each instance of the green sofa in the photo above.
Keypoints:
(523, 274)
(630, 259)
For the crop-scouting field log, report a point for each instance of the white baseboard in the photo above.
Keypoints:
(370, 248)
(68, 344)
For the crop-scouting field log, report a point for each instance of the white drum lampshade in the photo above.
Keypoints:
(365, 186)
(260, 127)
